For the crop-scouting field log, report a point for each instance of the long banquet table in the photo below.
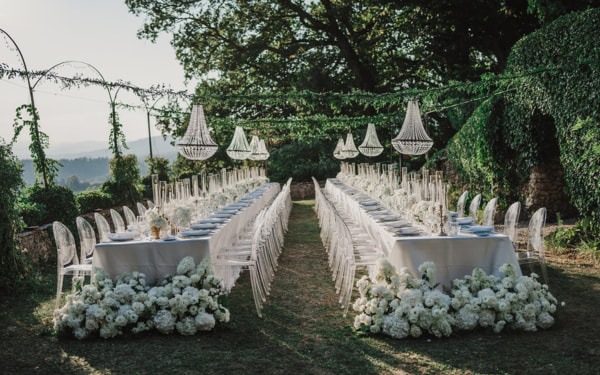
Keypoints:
(454, 256)
(157, 258)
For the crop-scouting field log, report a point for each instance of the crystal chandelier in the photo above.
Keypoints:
(349, 150)
(239, 149)
(371, 146)
(337, 153)
(259, 149)
(197, 144)
(412, 139)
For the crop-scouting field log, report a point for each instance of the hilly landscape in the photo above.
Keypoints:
(87, 162)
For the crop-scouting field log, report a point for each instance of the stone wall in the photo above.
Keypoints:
(546, 187)
(302, 190)
(37, 244)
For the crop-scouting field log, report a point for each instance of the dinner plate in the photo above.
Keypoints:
(194, 233)
(408, 230)
(464, 220)
(169, 238)
(221, 215)
(388, 218)
(204, 226)
(369, 203)
(121, 236)
(372, 208)
(214, 220)
(397, 224)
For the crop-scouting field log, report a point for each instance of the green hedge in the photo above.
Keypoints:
(45, 205)
(90, 200)
(568, 91)
(506, 136)
(302, 160)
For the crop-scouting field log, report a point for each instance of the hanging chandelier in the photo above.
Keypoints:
(337, 153)
(412, 139)
(258, 148)
(371, 146)
(239, 149)
(349, 150)
(197, 144)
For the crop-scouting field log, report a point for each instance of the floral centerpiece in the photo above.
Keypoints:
(187, 303)
(155, 221)
(402, 305)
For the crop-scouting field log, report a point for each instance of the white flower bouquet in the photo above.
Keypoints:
(187, 303)
(155, 219)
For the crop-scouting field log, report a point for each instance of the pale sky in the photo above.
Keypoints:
(99, 32)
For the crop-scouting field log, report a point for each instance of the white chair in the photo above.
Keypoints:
(150, 203)
(141, 209)
(117, 220)
(535, 243)
(474, 207)
(103, 227)
(68, 263)
(511, 218)
(130, 217)
(87, 240)
(489, 212)
(460, 205)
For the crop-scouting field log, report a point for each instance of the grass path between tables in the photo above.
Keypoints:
(303, 331)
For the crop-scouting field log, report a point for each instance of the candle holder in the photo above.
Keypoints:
(443, 219)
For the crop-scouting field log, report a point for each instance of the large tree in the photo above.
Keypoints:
(338, 45)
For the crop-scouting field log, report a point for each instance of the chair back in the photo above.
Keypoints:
(65, 245)
(141, 209)
(129, 216)
(535, 237)
(460, 206)
(511, 218)
(87, 238)
(117, 220)
(150, 203)
(489, 211)
(103, 227)
(474, 207)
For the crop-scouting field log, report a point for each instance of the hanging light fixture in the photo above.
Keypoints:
(371, 146)
(239, 149)
(262, 150)
(197, 144)
(337, 153)
(412, 139)
(258, 148)
(349, 150)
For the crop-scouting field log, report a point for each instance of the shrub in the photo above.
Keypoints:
(12, 264)
(91, 200)
(124, 180)
(54, 203)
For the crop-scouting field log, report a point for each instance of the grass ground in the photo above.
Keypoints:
(303, 331)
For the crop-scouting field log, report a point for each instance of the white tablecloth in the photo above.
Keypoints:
(157, 258)
(454, 256)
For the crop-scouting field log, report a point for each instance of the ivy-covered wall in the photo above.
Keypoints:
(496, 148)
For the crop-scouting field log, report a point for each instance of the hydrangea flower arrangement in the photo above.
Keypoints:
(402, 305)
(187, 303)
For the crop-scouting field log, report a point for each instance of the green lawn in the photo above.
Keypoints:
(303, 331)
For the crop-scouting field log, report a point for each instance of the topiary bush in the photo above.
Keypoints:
(90, 200)
(124, 183)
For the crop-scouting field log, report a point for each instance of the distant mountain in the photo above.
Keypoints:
(92, 166)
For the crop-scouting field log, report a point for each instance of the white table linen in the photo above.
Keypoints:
(158, 258)
(454, 256)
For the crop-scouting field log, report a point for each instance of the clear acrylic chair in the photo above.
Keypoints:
(103, 227)
(460, 205)
(489, 212)
(87, 240)
(68, 263)
(474, 207)
(150, 203)
(141, 209)
(130, 217)
(117, 220)
(535, 243)
(511, 218)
